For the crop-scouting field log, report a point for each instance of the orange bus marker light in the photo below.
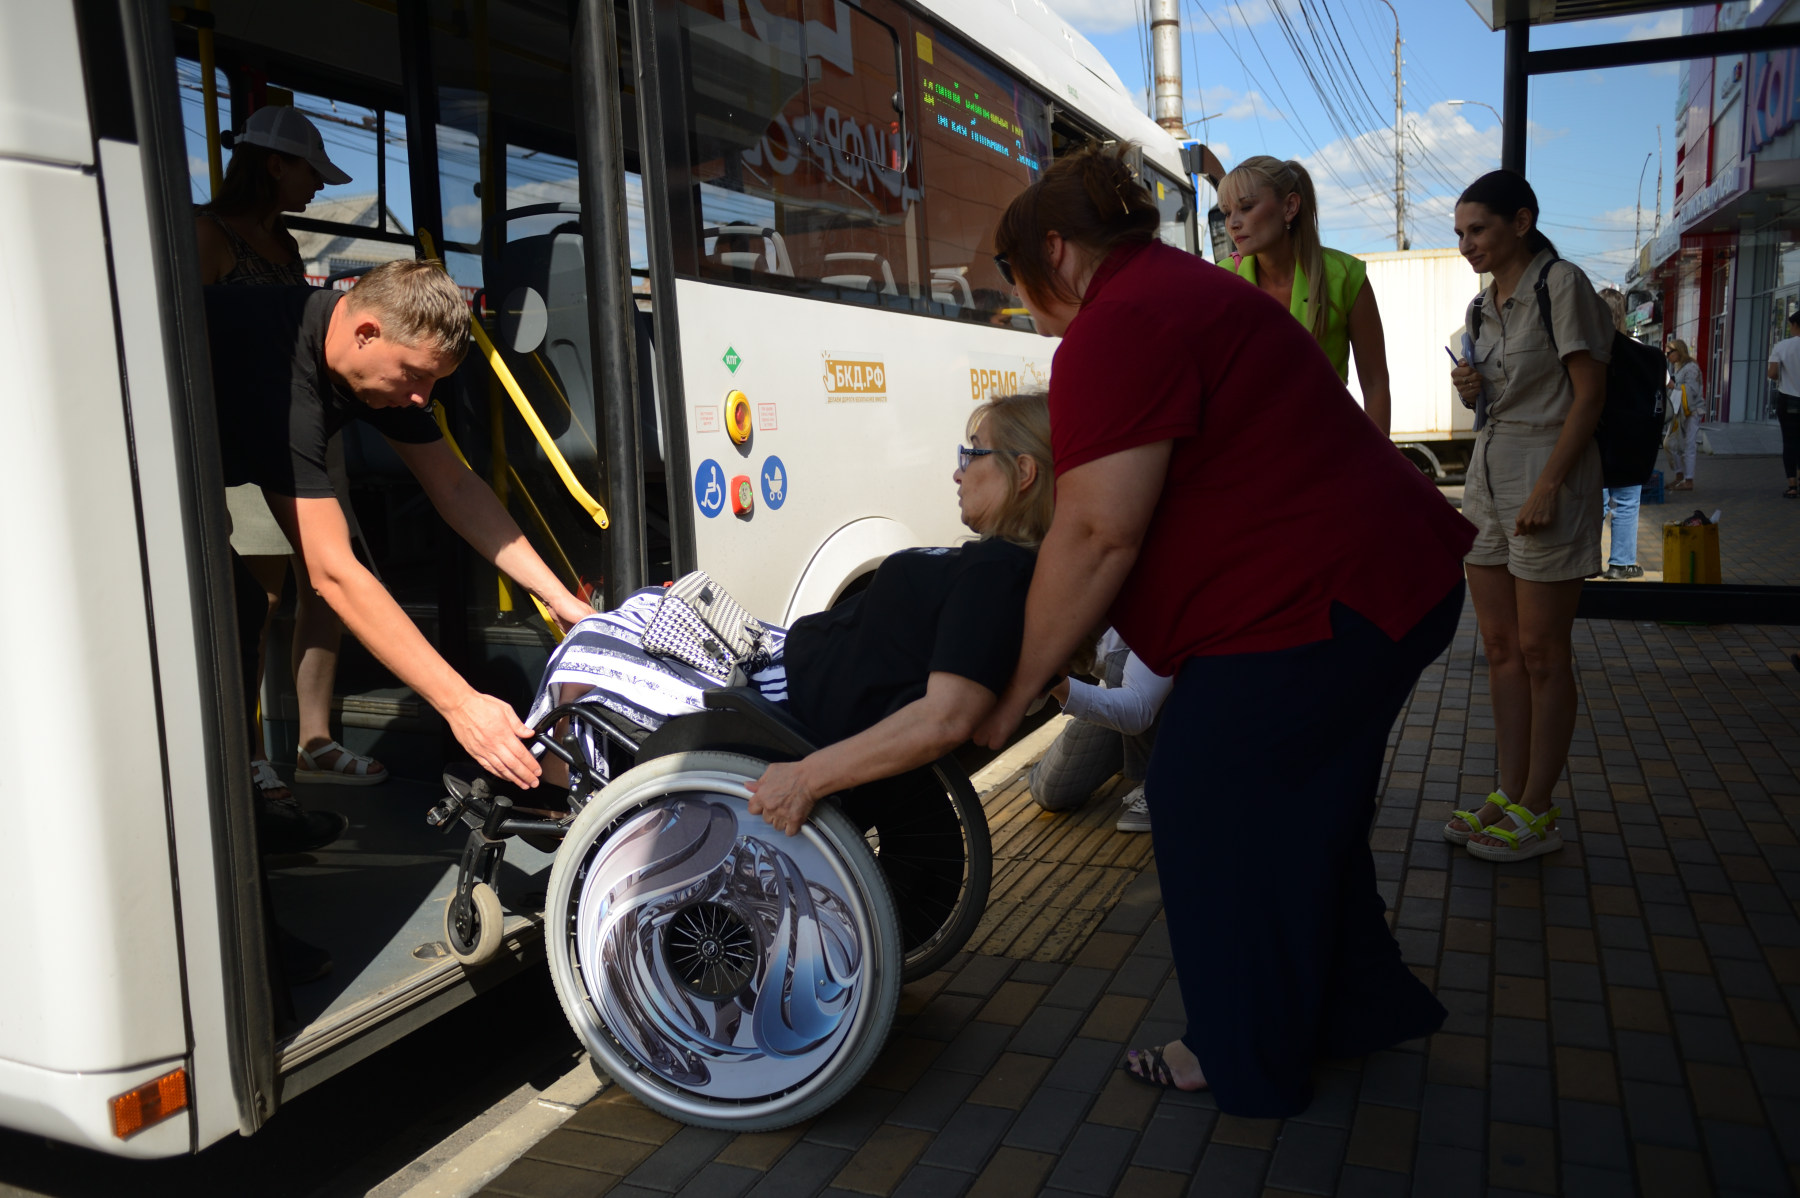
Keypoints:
(149, 1104)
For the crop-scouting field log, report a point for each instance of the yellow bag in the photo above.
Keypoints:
(1691, 553)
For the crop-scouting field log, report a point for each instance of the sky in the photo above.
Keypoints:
(1591, 133)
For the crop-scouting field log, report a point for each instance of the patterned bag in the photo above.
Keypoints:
(700, 624)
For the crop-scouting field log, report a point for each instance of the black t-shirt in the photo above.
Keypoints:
(278, 407)
(958, 611)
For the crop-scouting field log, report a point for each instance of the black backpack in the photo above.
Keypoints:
(1631, 422)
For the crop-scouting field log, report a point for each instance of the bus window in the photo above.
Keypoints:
(193, 123)
(799, 147)
(985, 138)
(1176, 203)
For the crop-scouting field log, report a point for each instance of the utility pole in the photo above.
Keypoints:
(1637, 228)
(1165, 60)
(1399, 139)
(1657, 231)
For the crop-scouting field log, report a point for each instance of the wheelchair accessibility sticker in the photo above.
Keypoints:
(774, 483)
(709, 488)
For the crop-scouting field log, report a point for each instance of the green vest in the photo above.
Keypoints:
(1344, 276)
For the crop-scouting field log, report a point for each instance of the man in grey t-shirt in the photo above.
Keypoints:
(1784, 370)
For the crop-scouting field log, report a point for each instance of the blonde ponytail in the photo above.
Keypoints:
(1286, 179)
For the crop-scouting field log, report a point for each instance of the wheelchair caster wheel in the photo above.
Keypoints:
(727, 975)
(475, 940)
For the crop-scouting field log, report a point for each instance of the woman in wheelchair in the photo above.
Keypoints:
(726, 945)
(887, 681)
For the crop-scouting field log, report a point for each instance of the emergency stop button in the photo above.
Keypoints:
(737, 416)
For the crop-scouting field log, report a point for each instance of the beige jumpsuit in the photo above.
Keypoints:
(1529, 395)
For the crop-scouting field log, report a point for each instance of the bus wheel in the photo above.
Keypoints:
(475, 940)
(727, 975)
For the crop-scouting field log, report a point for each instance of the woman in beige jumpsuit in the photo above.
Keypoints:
(1533, 491)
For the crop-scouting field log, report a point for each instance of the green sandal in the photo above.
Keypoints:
(1533, 836)
(1473, 819)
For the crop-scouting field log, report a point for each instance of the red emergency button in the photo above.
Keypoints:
(743, 496)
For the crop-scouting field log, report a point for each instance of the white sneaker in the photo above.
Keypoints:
(1136, 817)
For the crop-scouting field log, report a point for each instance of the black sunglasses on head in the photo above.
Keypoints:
(1005, 269)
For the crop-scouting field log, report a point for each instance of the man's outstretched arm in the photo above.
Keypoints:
(485, 726)
(469, 505)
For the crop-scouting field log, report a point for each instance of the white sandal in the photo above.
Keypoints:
(1533, 837)
(264, 778)
(1456, 835)
(350, 769)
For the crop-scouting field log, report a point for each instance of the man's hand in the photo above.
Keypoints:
(494, 737)
(1004, 720)
(782, 797)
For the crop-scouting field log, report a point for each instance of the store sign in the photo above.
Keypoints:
(1774, 98)
(1701, 204)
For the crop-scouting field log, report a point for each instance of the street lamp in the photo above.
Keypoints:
(1489, 107)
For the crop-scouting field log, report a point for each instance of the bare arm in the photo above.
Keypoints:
(482, 724)
(1589, 379)
(1774, 372)
(1370, 345)
(1103, 509)
(918, 734)
(216, 259)
(469, 506)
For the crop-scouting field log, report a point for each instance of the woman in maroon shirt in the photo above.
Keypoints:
(1224, 503)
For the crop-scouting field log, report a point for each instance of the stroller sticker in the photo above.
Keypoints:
(774, 483)
(709, 488)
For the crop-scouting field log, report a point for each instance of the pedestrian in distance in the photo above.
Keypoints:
(1784, 372)
(1294, 609)
(1111, 730)
(1273, 219)
(1621, 503)
(278, 164)
(1686, 410)
(1533, 491)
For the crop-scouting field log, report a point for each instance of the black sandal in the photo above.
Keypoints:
(1159, 1075)
(1790, 493)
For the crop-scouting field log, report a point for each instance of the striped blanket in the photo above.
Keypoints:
(605, 653)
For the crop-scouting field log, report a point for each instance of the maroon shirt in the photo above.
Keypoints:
(1281, 495)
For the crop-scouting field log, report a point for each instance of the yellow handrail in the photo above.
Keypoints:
(443, 423)
(209, 92)
(527, 413)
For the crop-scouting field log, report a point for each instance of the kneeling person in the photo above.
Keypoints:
(298, 364)
(1112, 730)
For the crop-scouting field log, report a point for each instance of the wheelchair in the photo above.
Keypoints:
(727, 975)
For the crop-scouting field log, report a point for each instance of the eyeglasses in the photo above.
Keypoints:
(965, 455)
(1005, 269)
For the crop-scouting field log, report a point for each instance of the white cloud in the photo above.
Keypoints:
(1110, 16)
(1664, 24)
(1228, 104)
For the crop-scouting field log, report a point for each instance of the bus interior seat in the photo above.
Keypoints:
(771, 259)
(948, 286)
(863, 281)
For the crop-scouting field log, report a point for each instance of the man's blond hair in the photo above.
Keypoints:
(417, 305)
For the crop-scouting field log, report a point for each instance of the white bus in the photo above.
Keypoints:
(795, 202)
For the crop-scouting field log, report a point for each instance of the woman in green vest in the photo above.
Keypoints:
(1273, 220)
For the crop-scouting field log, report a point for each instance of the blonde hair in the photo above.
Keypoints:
(1615, 303)
(1678, 349)
(1286, 179)
(1019, 426)
(417, 304)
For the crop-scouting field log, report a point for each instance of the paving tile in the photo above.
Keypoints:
(967, 1138)
(879, 1164)
(1383, 1138)
(1085, 1065)
(1441, 1170)
(1458, 1060)
(622, 1118)
(1359, 1182)
(760, 1150)
(1047, 1031)
(1519, 1094)
(1581, 1024)
(1013, 1173)
(1593, 1134)
(1586, 1074)
(804, 1170)
(1105, 950)
(848, 1124)
(1229, 1171)
(529, 1178)
(1744, 1159)
(930, 1102)
(1590, 1182)
(1141, 1182)
(1012, 1080)
(603, 1154)
(902, 1062)
(1455, 1116)
(981, 976)
(1124, 1102)
(721, 1181)
(1393, 1078)
(926, 1181)
(678, 1160)
(1306, 1158)
(1334, 1097)
(1174, 1137)
(1522, 1158)
(1246, 1133)
(1047, 1121)
(1093, 1161)
(1724, 1093)
(1116, 1016)
(975, 1048)
(944, 1016)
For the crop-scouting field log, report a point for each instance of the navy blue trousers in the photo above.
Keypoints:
(1259, 809)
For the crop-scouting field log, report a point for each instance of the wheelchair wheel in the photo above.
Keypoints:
(478, 942)
(727, 975)
(929, 833)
